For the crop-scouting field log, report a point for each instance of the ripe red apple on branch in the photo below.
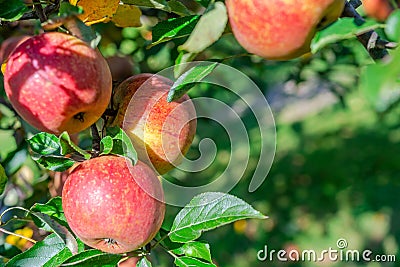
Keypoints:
(280, 29)
(161, 132)
(57, 82)
(113, 206)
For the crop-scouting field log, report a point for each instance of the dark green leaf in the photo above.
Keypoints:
(208, 211)
(208, 30)
(45, 144)
(52, 208)
(173, 28)
(93, 257)
(204, 3)
(196, 250)
(67, 10)
(191, 262)
(122, 144)
(68, 147)
(3, 179)
(187, 80)
(106, 145)
(392, 29)
(143, 262)
(58, 164)
(46, 222)
(343, 29)
(12, 10)
(44, 253)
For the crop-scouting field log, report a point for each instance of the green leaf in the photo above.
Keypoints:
(204, 3)
(208, 211)
(170, 6)
(58, 164)
(392, 28)
(106, 145)
(52, 208)
(12, 10)
(342, 29)
(380, 84)
(143, 262)
(173, 28)
(191, 262)
(122, 144)
(93, 257)
(67, 10)
(46, 222)
(208, 30)
(187, 80)
(180, 61)
(45, 144)
(49, 252)
(196, 250)
(68, 147)
(3, 179)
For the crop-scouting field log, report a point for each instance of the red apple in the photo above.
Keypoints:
(113, 206)
(378, 9)
(9, 45)
(161, 132)
(280, 29)
(56, 82)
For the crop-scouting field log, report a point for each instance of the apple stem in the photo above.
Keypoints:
(376, 47)
(95, 140)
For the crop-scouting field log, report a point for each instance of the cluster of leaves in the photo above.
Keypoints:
(61, 248)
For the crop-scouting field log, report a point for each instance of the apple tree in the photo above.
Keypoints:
(99, 134)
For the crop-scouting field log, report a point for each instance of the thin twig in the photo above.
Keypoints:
(20, 236)
(95, 140)
(40, 12)
(376, 47)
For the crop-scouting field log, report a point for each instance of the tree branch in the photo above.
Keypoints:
(376, 47)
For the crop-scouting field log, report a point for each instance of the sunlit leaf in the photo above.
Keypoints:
(208, 211)
(173, 28)
(208, 30)
(342, 29)
(392, 28)
(191, 262)
(49, 252)
(95, 11)
(188, 79)
(127, 16)
(93, 257)
(196, 250)
(3, 179)
(68, 147)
